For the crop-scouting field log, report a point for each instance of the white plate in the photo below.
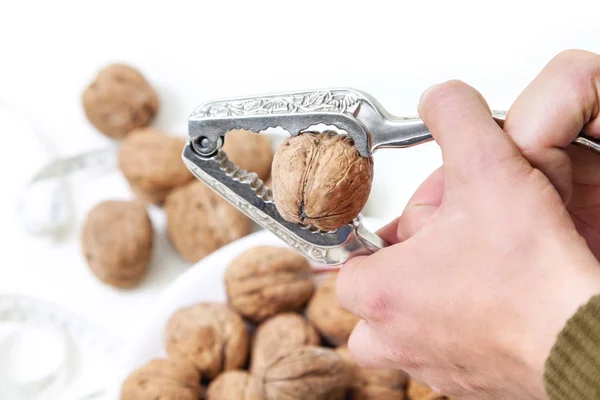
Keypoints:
(202, 282)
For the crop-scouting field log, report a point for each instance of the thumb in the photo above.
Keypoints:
(461, 123)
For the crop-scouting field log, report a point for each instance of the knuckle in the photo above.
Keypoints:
(376, 305)
(574, 57)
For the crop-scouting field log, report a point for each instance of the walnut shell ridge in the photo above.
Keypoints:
(116, 241)
(266, 280)
(279, 336)
(119, 100)
(199, 221)
(325, 312)
(170, 379)
(151, 162)
(320, 179)
(210, 335)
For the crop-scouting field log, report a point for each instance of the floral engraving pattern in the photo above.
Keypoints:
(341, 101)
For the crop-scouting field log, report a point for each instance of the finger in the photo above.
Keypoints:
(367, 349)
(560, 102)
(389, 232)
(461, 123)
(362, 291)
(422, 206)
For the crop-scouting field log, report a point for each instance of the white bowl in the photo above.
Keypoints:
(202, 282)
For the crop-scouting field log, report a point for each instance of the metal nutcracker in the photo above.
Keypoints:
(351, 111)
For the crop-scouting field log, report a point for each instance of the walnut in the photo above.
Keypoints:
(210, 335)
(374, 383)
(119, 100)
(250, 151)
(279, 336)
(235, 385)
(199, 221)
(151, 162)
(264, 281)
(308, 373)
(170, 379)
(420, 392)
(117, 238)
(320, 179)
(329, 317)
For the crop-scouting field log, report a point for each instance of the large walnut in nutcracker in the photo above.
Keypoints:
(265, 280)
(279, 336)
(165, 379)
(210, 335)
(320, 179)
(151, 162)
(329, 317)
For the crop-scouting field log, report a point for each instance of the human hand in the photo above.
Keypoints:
(561, 102)
(490, 268)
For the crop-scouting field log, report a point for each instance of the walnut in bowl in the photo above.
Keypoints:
(235, 385)
(119, 100)
(266, 280)
(165, 379)
(329, 317)
(320, 179)
(308, 373)
(374, 383)
(279, 336)
(210, 335)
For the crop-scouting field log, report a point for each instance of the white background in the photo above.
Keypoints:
(193, 51)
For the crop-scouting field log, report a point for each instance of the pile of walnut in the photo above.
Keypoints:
(280, 336)
(117, 237)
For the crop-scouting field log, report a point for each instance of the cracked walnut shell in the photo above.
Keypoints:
(308, 373)
(151, 162)
(249, 151)
(119, 100)
(279, 336)
(199, 221)
(235, 385)
(116, 241)
(170, 379)
(333, 321)
(320, 179)
(210, 335)
(265, 280)
(374, 384)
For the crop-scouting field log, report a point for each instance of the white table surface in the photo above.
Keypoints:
(193, 51)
